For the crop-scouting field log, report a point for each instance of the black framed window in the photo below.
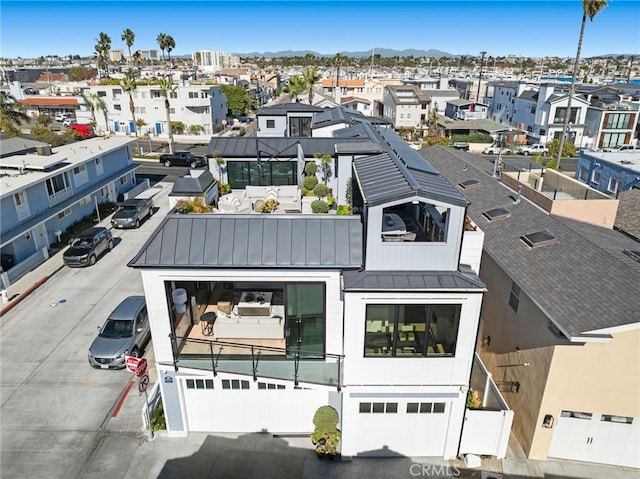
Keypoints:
(411, 330)
(300, 126)
(265, 173)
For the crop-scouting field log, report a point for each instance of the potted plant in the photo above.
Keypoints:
(250, 297)
(326, 435)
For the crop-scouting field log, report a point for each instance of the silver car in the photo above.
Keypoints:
(125, 333)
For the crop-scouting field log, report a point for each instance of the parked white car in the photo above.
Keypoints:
(527, 150)
(495, 150)
(620, 148)
(60, 117)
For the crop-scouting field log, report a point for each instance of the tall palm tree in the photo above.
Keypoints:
(590, 8)
(295, 87)
(12, 114)
(196, 63)
(102, 52)
(171, 44)
(166, 88)
(128, 84)
(311, 78)
(128, 37)
(137, 59)
(161, 39)
(89, 103)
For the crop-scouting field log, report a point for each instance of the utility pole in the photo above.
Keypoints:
(480, 77)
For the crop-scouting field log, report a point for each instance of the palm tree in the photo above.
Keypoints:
(198, 59)
(102, 52)
(590, 8)
(170, 45)
(162, 43)
(128, 37)
(12, 114)
(100, 104)
(167, 87)
(137, 59)
(311, 78)
(295, 87)
(128, 84)
(88, 101)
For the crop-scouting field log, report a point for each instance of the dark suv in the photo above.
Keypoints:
(131, 212)
(183, 158)
(87, 247)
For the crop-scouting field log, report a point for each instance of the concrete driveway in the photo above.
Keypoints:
(53, 405)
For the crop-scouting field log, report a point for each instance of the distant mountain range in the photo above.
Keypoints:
(383, 52)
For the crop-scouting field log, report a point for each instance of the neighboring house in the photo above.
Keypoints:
(193, 105)
(16, 145)
(51, 105)
(406, 106)
(194, 184)
(259, 319)
(459, 109)
(346, 86)
(610, 120)
(361, 105)
(560, 327)
(45, 192)
(610, 173)
(448, 127)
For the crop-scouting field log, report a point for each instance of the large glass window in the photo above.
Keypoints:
(267, 173)
(617, 121)
(411, 330)
(562, 112)
(305, 316)
(300, 126)
(421, 222)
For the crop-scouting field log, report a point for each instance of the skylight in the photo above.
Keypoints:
(632, 254)
(539, 238)
(496, 214)
(466, 184)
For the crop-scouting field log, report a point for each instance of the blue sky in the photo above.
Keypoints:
(505, 27)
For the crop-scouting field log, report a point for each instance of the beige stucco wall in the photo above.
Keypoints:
(596, 378)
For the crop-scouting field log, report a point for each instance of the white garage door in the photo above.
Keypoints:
(602, 438)
(403, 427)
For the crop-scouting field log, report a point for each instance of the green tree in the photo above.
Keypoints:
(137, 59)
(102, 52)
(161, 39)
(178, 127)
(195, 129)
(325, 164)
(295, 86)
(12, 114)
(166, 88)
(311, 79)
(170, 45)
(590, 8)
(568, 150)
(128, 84)
(128, 37)
(140, 124)
(44, 120)
(80, 73)
(238, 100)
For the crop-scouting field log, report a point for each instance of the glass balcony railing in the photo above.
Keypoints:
(288, 364)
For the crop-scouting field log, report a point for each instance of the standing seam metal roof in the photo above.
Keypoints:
(253, 241)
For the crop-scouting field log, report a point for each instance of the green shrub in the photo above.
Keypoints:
(269, 206)
(319, 206)
(435, 140)
(474, 138)
(310, 182)
(223, 188)
(344, 210)
(158, 421)
(568, 150)
(320, 190)
(310, 168)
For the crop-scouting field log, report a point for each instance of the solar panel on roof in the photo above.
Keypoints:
(539, 238)
(496, 213)
(411, 158)
(323, 116)
(466, 184)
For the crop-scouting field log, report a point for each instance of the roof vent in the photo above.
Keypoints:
(43, 150)
(466, 184)
(539, 238)
(496, 214)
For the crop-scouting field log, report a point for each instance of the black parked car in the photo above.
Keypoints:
(130, 213)
(88, 246)
(183, 158)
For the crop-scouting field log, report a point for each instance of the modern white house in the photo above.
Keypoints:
(46, 190)
(259, 319)
(202, 106)
(406, 106)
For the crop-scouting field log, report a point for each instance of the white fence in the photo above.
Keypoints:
(136, 190)
(486, 430)
(23, 267)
